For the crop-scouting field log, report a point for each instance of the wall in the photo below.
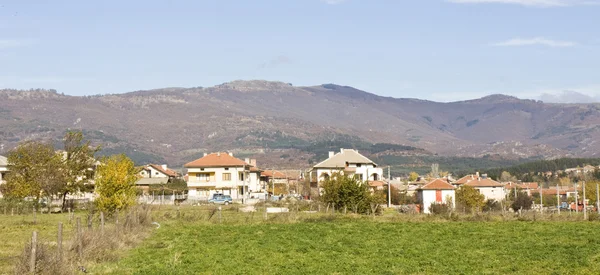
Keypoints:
(202, 189)
(492, 193)
(429, 196)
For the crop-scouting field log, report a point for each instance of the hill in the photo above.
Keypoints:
(286, 125)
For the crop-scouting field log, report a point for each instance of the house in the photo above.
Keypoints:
(157, 171)
(527, 187)
(490, 189)
(274, 178)
(222, 173)
(437, 191)
(348, 162)
(3, 168)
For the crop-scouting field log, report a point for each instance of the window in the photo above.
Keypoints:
(156, 173)
(226, 168)
(358, 165)
(202, 177)
(226, 176)
(241, 176)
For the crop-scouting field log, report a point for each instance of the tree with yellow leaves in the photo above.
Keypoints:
(413, 176)
(115, 183)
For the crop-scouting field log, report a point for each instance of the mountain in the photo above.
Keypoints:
(298, 124)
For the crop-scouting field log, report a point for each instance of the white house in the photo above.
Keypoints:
(491, 189)
(3, 168)
(222, 173)
(157, 171)
(437, 191)
(348, 162)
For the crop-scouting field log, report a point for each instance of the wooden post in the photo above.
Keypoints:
(70, 215)
(33, 252)
(220, 221)
(79, 241)
(584, 206)
(59, 241)
(89, 221)
(102, 222)
(12, 211)
(117, 221)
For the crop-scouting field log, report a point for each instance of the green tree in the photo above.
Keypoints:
(35, 171)
(469, 198)
(344, 191)
(522, 201)
(506, 177)
(79, 163)
(590, 192)
(115, 183)
(413, 176)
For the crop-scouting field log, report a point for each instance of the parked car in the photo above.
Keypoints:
(221, 199)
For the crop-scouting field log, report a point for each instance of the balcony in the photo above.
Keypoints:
(213, 184)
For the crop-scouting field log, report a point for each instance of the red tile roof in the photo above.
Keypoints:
(221, 159)
(525, 185)
(377, 183)
(438, 184)
(269, 173)
(465, 179)
(168, 172)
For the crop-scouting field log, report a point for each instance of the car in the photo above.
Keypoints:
(221, 199)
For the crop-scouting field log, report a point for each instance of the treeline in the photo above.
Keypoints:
(458, 166)
(526, 171)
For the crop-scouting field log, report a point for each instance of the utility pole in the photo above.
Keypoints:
(576, 201)
(389, 188)
(541, 200)
(597, 199)
(557, 199)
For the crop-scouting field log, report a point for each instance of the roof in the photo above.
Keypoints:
(220, 159)
(151, 181)
(437, 184)
(168, 172)
(487, 182)
(465, 179)
(524, 185)
(344, 156)
(275, 174)
(377, 183)
(3, 161)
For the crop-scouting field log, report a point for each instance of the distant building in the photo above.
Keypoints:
(153, 174)
(3, 168)
(437, 191)
(348, 162)
(490, 189)
(222, 173)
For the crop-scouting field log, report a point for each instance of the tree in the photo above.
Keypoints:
(470, 198)
(590, 192)
(506, 177)
(35, 171)
(79, 163)
(413, 176)
(564, 181)
(522, 201)
(115, 183)
(344, 191)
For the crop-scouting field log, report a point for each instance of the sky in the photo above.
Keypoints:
(442, 50)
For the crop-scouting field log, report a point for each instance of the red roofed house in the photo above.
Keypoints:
(223, 174)
(437, 191)
(491, 189)
(153, 174)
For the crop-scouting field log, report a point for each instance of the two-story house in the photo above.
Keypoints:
(491, 189)
(153, 174)
(222, 173)
(348, 162)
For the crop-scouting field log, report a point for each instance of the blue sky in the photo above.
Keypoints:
(442, 50)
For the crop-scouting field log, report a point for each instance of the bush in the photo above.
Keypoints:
(347, 192)
(492, 205)
(522, 201)
(440, 208)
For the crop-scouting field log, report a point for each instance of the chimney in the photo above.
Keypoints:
(341, 150)
(218, 154)
(164, 167)
(477, 174)
(253, 162)
(205, 154)
(230, 154)
(331, 153)
(247, 160)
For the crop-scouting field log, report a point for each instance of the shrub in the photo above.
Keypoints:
(440, 208)
(492, 205)
(522, 201)
(343, 191)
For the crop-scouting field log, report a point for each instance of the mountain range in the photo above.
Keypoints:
(279, 122)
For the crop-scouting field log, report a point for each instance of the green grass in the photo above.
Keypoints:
(365, 246)
(15, 232)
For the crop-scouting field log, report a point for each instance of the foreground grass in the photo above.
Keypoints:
(15, 232)
(364, 246)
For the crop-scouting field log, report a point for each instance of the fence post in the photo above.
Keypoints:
(59, 241)
(79, 241)
(102, 222)
(220, 214)
(12, 211)
(70, 215)
(33, 252)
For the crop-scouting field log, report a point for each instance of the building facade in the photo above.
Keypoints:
(221, 173)
(437, 191)
(348, 162)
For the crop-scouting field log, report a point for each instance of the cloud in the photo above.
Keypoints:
(531, 3)
(275, 62)
(569, 97)
(14, 43)
(334, 2)
(535, 41)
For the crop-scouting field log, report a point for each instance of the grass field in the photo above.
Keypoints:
(16, 230)
(364, 246)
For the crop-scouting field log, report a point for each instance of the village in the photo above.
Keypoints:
(222, 178)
